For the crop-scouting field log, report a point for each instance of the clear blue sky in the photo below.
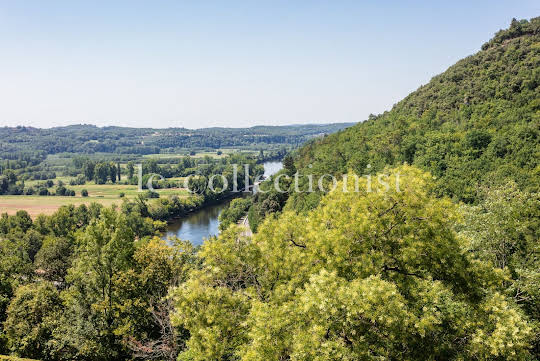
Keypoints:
(229, 63)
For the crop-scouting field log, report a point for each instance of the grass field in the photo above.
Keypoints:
(13, 358)
(106, 194)
(213, 154)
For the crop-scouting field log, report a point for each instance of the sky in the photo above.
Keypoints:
(231, 63)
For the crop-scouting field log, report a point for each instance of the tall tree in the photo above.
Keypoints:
(31, 317)
(374, 274)
(130, 169)
(119, 171)
(87, 329)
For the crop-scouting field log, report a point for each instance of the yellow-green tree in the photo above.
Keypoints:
(368, 275)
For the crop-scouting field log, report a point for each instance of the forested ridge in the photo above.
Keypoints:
(91, 139)
(444, 267)
(476, 123)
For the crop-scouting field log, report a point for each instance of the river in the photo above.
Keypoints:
(202, 224)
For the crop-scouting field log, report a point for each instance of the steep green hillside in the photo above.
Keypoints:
(476, 123)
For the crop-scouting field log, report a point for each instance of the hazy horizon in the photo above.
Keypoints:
(157, 127)
(200, 65)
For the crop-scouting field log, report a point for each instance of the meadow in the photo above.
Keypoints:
(105, 194)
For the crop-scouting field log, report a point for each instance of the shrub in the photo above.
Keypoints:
(151, 194)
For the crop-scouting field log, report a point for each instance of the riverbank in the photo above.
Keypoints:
(203, 222)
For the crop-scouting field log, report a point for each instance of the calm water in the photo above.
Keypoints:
(272, 168)
(200, 225)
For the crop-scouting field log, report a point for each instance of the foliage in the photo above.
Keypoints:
(54, 258)
(387, 272)
(236, 210)
(475, 124)
(30, 319)
(504, 230)
(374, 275)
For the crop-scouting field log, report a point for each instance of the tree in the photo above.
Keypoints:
(378, 273)
(288, 165)
(54, 258)
(113, 171)
(504, 230)
(88, 169)
(84, 193)
(236, 210)
(119, 172)
(30, 319)
(130, 169)
(87, 328)
(60, 190)
(146, 309)
(21, 221)
(101, 173)
(15, 266)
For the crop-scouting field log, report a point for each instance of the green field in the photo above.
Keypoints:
(200, 154)
(106, 194)
(13, 358)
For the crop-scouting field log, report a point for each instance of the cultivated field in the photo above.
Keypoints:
(106, 194)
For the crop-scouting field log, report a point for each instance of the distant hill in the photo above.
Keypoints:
(89, 139)
(476, 123)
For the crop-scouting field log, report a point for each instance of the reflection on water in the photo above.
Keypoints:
(202, 224)
(199, 225)
(271, 168)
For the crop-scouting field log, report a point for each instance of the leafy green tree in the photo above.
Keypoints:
(504, 230)
(32, 240)
(64, 221)
(236, 210)
(30, 319)
(378, 274)
(87, 328)
(145, 308)
(118, 172)
(101, 173)
(113, 171)
(288, 165)
(130, 169)
(54, 258)
(88, 169)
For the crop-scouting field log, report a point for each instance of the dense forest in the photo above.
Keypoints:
(444, 267)
(88, 139)
(476, 123)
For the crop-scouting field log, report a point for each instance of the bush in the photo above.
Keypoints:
(84, 193)
(61, 190)
(121, 195)
(236, 210)
(150, 194)
(80, 180)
